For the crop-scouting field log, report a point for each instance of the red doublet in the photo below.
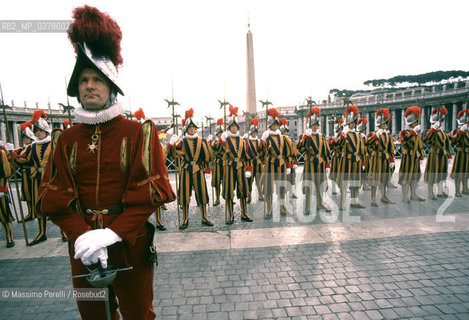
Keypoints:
(116, 173)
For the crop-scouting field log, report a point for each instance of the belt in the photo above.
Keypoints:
(236, 159)
(106, 211)
(278, 157)
(41, 170)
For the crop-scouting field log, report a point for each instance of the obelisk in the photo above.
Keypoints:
(251, 79)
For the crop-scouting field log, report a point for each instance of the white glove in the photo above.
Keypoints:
(345, 130)
(99, 255)
(328, 170)
(363, 168)
(288, 170)
(420, 162)
(224, 136)
(174, 139)
(464, 127)
(91, 241)
(207, 176)
(391, 165)
(210, 138)
(295, 166)
(246, 136)
(2, 194)
(247, 174)
(416, 129)
(379, 132)
(436, 126)
(449, 160)
(265, 135)
(309, 132)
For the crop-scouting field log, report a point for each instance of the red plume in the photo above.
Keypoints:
(255, 121)
(415, 110)
(341, 120)
(101, 33)
(25, 125)
(39, 113)
(460, 114)
(443, 111)
(283, 121)
(233, 111)
(364, 120)
(315, 110)
(351, 109)
(139, 114)
(434, 110)
(183, 122)
(273, 113)
(189, 113)
(66, 123)
(220, 122)
(387, 115)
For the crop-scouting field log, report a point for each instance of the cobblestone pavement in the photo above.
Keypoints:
(397, 261)
(418, 277)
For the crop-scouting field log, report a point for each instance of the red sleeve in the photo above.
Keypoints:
(146, 190)
(58, 195)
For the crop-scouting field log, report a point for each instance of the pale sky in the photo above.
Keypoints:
(301, 48)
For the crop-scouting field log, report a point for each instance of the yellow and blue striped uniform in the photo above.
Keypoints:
(196, 155)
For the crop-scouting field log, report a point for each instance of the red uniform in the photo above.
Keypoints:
(118, 173)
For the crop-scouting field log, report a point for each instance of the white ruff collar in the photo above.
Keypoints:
(232, 135)
(253, 139)
(191, 136)
(101, 116)
(274, 133)
(42, 141)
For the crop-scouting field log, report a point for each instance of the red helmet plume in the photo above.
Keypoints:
(66, 123)
(273, 113)
(189, 113)
(37, 114)
(314, 110)
(233, 111)
(255, 122)
(351, 109)
(139, 114)
(25, 125)
(101, 33)
(414, 109)
(283, 121)
(220, 122)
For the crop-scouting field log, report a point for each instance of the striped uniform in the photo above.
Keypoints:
(381, 157)
(337, 154)
(460, 170)
(292, 159)
(317, 157)
(436, 169)
(237, 156)
(5, 212)
(196, 155)
(368, 152)
(412, 153)
(217, 172)
(255, 162)
(276, 162)
(353, 151)
(37, 158)
(26, 183)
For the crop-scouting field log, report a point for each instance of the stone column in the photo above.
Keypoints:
(327, 126)
(393, 119)
(15, 135)
(2, 132)
(455, 116)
